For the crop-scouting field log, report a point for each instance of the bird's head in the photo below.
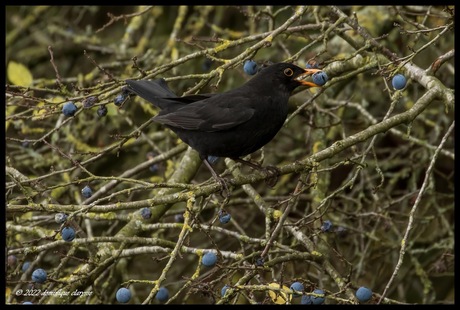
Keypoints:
(285, 75)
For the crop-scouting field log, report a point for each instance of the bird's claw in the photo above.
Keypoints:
(225, 192)
(273, 174)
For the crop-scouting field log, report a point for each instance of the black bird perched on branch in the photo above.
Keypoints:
(230, 124)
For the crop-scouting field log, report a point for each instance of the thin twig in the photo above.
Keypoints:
(99, 67)
(114, 18)
(58, 77)
(405, 239)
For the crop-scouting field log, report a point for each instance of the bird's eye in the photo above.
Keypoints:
(288, 72)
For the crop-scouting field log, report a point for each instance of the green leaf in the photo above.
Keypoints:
(18, 74)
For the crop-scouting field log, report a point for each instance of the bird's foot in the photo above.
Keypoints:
(225, 192)
(271, 172)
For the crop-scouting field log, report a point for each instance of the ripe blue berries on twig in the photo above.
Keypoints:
(317, 300)
(320, 78)
(146, 213)
(209, 259)
(224, 290)
(12, 260)
(119, 99)
(212, 159)
(89, 102)
(154, 168)
(306, 300)
(297, 286)
(250, 67)
(398, 81)
(69, 109)
(68, 234)
(206, 65)
(260, 261)
(179, 218)
(363, 294)
(224, 217)
(123, 295)
(39, 275)
(327, 225)
(102, 111)
(162, 294)
(25, 266)
(87, 191)
(60, 218)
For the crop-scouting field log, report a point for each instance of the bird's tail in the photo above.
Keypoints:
(158, 93)
(152, 91)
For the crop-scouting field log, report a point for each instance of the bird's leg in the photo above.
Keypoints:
(225, 191)
(272, 171)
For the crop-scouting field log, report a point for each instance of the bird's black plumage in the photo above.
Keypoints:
(230, 124)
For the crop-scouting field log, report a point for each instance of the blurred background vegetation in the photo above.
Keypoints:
(388, 192)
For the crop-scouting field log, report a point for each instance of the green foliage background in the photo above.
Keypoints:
(377, 163)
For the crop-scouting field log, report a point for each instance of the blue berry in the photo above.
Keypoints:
(162, 294)
(60, 218)
(119, 99)
(312, 64)
(399, 81)
(209, 259)
(319, 78)
(224, 290)
(297, 286)
(86, 191)
(317, 300)
(68, 234)
(179, 218)
(146, 213)
(25, 266)
(123, 295)
(102, 111)
(212, 159)
(207, 63)
(27, 303)
(327, 225)
(306, 300)
(250, 67)
(69, 108)
(39, 275)
(89, 102)
(153, 168)
(224, 217)
(363, 294)
(12, 260)
(260, 261)
(25, 144)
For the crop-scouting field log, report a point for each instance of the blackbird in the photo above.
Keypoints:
(229, 124)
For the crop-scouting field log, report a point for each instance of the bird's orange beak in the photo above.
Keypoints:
(307, 73)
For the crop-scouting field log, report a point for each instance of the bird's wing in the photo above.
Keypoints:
(209, 115)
